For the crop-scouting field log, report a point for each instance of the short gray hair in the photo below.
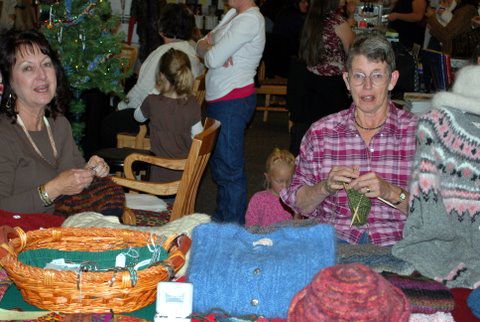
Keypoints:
(375, 47)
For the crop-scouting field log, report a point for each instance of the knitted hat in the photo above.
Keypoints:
(465, 94)
(350, 292)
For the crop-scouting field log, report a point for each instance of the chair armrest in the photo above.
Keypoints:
(174, 164)
(155, 188)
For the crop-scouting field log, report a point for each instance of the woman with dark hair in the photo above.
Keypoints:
(39, 160)
(175, 25)
(326, 37)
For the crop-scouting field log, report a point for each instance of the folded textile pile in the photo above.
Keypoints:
(244, 273)
(378, 258)
(349, 292)
(425, 295)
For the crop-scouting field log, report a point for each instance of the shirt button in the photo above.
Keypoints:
(257, 271)
(372, 149)
(254, 302)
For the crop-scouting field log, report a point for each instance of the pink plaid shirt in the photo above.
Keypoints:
(334, 140)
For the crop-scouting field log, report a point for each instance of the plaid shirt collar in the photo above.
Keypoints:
(391, 125)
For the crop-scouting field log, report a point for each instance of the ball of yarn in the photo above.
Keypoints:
(350, 292)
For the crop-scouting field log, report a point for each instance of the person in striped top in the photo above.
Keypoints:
(369, 147)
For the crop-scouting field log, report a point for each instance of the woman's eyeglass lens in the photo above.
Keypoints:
(376, 79)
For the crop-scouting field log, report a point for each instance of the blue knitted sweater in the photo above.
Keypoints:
(244, 273)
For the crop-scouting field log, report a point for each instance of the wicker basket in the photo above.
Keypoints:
(58, 291)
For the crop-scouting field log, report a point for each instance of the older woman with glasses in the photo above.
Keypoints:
(368, 148)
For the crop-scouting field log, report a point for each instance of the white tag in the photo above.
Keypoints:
(263, 242)
(120, 260)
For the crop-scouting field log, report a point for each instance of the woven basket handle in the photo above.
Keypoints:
(182, 242)
(6, 234)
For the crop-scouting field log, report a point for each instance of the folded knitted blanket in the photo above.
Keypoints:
(378, 258)
(244, 273)
(425, 295)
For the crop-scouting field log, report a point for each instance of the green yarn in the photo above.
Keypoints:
(359, 207)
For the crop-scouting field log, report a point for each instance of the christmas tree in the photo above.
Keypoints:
(82, 31)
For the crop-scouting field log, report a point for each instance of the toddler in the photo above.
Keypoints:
(173, 112)
(265, 207)
(443, 14)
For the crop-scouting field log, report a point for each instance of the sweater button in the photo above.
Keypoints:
(254, 302)
(257, 271)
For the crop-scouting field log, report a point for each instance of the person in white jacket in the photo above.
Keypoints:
(232, 53)
(176, 25)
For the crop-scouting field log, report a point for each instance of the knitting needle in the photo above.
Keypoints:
(387, 202)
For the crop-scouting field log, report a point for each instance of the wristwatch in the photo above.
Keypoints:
(402, 197)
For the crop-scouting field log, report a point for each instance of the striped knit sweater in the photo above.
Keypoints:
(441, 235)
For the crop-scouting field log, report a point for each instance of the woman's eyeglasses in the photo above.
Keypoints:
(377, 79)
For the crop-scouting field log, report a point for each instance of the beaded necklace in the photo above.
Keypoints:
(369, 128)
(50, 137)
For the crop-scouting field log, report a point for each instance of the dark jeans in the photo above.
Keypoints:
(227, 163)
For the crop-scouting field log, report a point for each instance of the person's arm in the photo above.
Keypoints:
(145, 83)
(252, 215)
(242, 30)
(138, 115)
(196, 128)
(346, 35)
(455, 27)
(27, 201)
(418, 11)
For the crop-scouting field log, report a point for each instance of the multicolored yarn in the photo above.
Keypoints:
(473, 302)
(378, 258)
(441, 231)
(103, 196)
(425, 295)
(152, 218)
(350, 292)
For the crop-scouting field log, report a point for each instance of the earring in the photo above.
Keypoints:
(8, 105)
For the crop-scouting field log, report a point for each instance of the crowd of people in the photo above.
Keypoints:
(351, 136)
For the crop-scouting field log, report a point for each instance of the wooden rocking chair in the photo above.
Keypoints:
(193, 168)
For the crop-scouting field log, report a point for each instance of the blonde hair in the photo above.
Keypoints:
(175, 67)
(277, 157)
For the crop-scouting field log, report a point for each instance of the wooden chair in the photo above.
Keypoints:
(140, 140)
(272, 88)
(193, 168)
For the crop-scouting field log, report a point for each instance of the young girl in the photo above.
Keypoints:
(265, 207)
(173, 112)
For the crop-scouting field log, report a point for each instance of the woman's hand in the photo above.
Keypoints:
(339, 175)
(69, 182)
(393, 16)
(98, 165)
(373, 186)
